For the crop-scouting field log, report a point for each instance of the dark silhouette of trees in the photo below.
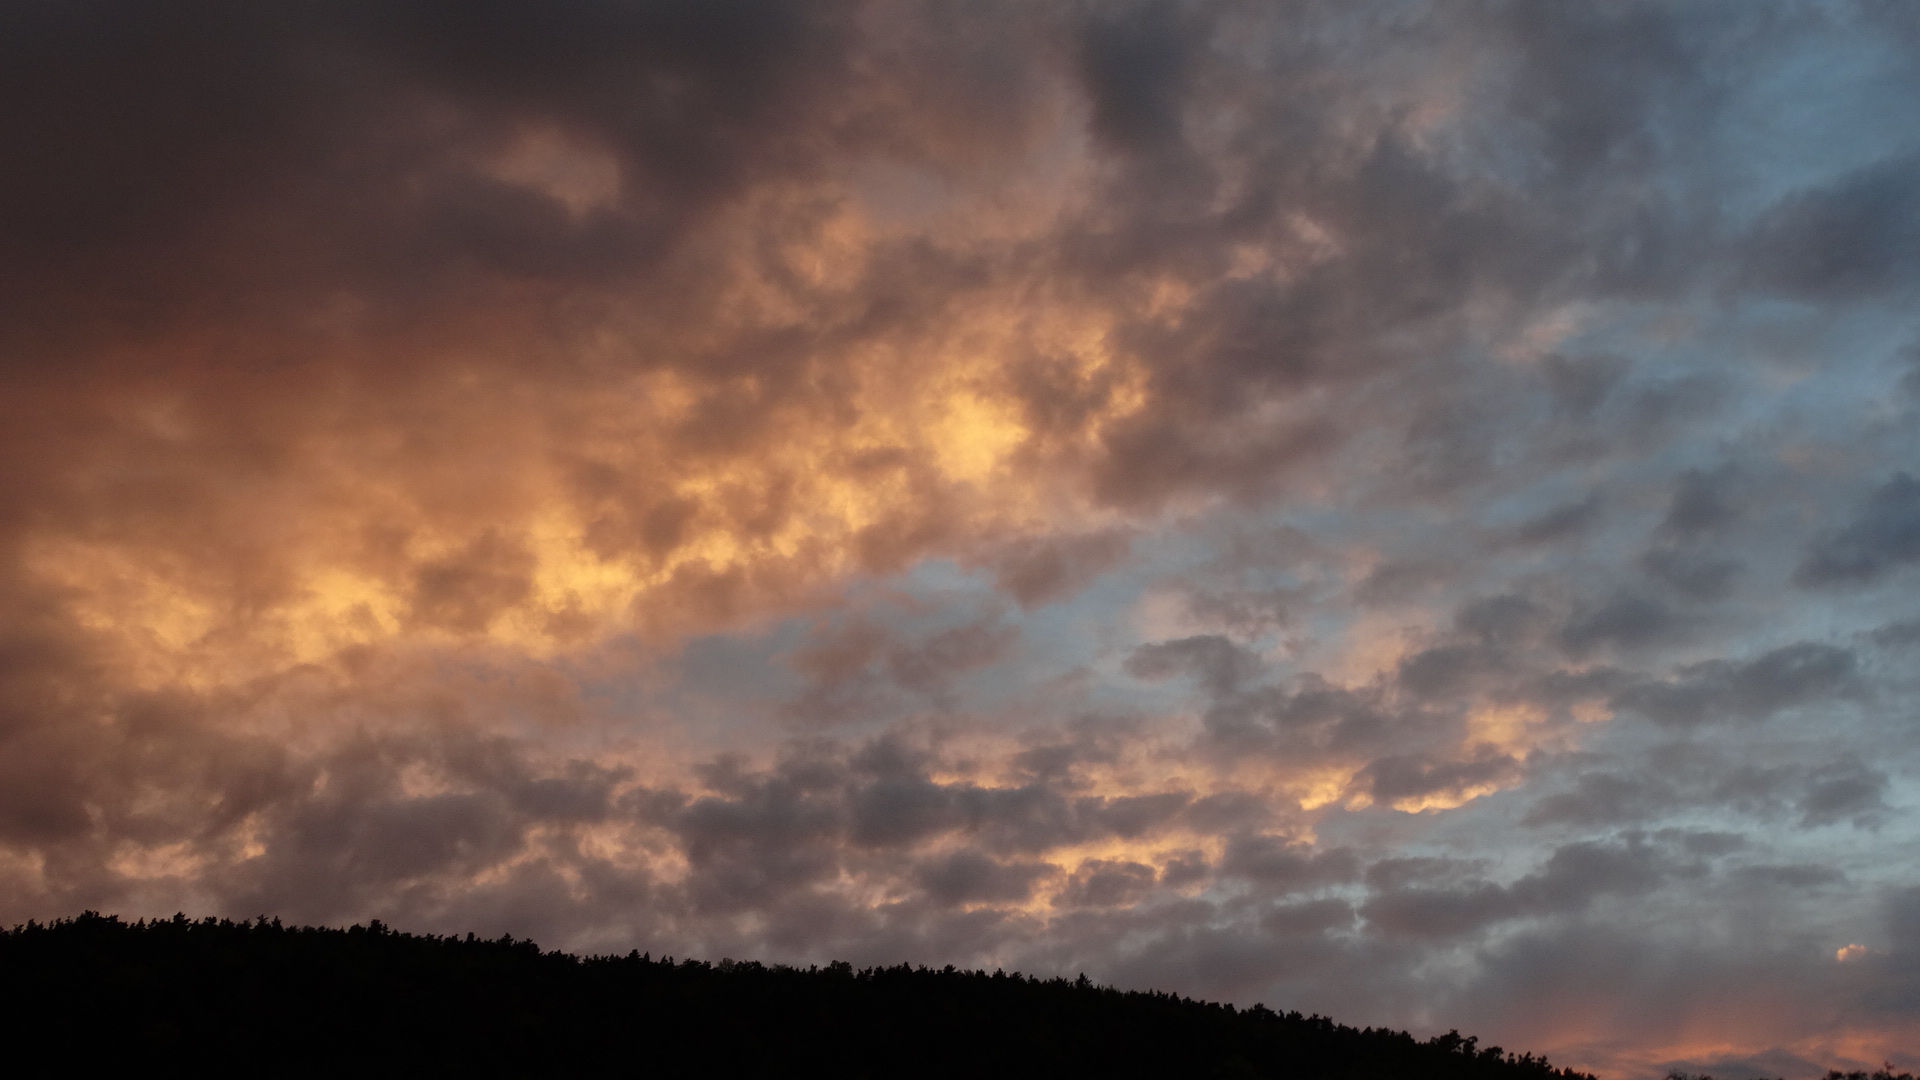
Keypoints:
(205, 997)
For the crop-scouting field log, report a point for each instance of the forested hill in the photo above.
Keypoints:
(257, 998)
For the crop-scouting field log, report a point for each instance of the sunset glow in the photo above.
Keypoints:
(1400, 511)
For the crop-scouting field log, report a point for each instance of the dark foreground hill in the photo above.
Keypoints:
(215, 998)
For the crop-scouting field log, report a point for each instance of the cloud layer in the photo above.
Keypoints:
(1406, 511)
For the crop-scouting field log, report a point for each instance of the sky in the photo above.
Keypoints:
(1402, 510)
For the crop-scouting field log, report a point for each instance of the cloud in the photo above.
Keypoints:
(1703, 503)
(862, 670)
(1036, 572)
(1810, 795)
(1389, 510)
(1694, 575)
(1108, 883)
(1573, 877)
(1626, 619)
(1604, 798)
(1841, 790)
(1851, 237)
(1219, 663)
(966, 876)
(1402, 779)
(1894, 635)
(1284, 866)
(1781, 679)
(1883, 536)
(1134, 65)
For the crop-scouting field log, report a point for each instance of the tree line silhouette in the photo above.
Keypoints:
(209, 997)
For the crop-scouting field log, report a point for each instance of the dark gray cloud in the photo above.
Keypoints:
(1844, 790)
(1581, 383)
(1560, 523)
(1703, 503)
(1671, 779)
(1136, 64)
(861, 670)
(1626, 619)
(1895, 635)
(968, 876)
(1218, 663)
(1853, 237)
(1798, 876)
(1284, 866)
(1784, 678)
(1396, 778)
(1689, 554)
(1695, 575)
(1883, 536)
(1574, 876)
(1108, 883)
(1501, 621)
(215, 135)
(1044, 571)
(1605, 798)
